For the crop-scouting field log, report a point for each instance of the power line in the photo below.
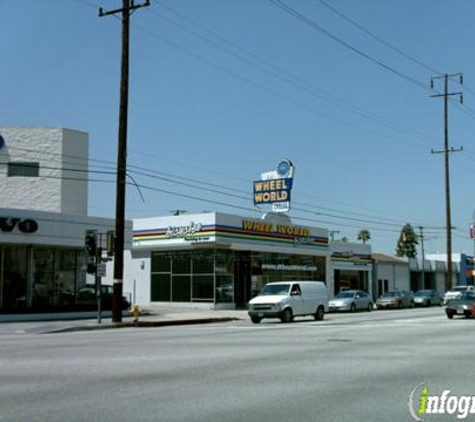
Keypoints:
(169, 178)
(272, 69)
(312, 24)
(377, 38)
(189, 182)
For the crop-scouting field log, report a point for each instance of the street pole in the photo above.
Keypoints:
(128, 7)
(446, 151)
(98, 282)
(423, 284)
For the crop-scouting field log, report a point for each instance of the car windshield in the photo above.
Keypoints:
(468, 296)
(423, 293)
(275, 289)
(344, 295)
(460, 289)
(391, 294)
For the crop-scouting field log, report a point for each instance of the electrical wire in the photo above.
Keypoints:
(272, 69)
(312, 24)
(379, 39)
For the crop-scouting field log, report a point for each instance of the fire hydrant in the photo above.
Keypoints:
(135, 312)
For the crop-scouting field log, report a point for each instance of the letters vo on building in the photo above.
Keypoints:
(8, 224)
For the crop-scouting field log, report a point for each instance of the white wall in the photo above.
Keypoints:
(74, 192)
(52, 149)
(397, 274)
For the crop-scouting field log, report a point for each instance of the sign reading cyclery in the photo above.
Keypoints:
(8, 224)
(183, 231)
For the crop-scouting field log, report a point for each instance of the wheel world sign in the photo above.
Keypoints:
(275, 186)
(270, 191)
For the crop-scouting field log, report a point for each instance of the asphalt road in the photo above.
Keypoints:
(349, 367)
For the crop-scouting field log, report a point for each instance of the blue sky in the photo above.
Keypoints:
(221, 90)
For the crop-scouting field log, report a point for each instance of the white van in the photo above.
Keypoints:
(289, 299)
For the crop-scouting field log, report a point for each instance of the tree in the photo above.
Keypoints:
(364, 235)
(406, 244)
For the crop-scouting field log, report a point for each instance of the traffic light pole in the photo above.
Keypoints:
(99, 281)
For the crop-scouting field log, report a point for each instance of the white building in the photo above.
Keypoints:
(43, 218)
(44, 170)
(222, 260)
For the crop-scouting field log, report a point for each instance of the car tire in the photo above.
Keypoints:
(450, 315)
(353, 308)
(399, 305)
(370, 306)
(287, 316)
(319, 314)
(256, 320)
(429, 303)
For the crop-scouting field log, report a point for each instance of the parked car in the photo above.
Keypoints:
(463, 305)
(457, 292)
(395, 299)
(351, 300)
(427, 298)
(289, 299)
(86, 298)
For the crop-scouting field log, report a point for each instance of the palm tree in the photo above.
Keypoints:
(364, 235)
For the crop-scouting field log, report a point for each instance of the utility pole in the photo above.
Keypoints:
(446, 151)
(128, 7)
(423, 284)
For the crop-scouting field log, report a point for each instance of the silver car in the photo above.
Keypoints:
(427, 298)
(395, 299)
(351, 300)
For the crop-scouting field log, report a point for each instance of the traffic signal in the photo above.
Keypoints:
(91, 268)
(91, 243)
(110, 242)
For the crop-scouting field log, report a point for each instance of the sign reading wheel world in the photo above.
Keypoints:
(275, 186)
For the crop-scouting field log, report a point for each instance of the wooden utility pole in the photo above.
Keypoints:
(446, 151)
(128, 6)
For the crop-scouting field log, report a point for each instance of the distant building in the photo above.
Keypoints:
(391, 273)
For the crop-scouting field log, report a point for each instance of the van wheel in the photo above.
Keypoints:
(287, 316)
(319, 314)
(256, 320)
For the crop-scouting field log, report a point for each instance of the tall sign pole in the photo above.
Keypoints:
(128, 6)
(446, 151)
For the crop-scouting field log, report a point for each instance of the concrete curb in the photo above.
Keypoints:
(154, 323)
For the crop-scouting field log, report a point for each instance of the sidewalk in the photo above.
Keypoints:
(85, 321)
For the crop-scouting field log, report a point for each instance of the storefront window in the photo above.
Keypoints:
(14, 278)
(44, 289)
(224, 292)
(181, 264)
(181, 288)
(203, 287)
(65, 277)
(160, 287)
(272, 267)
(161, 263)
